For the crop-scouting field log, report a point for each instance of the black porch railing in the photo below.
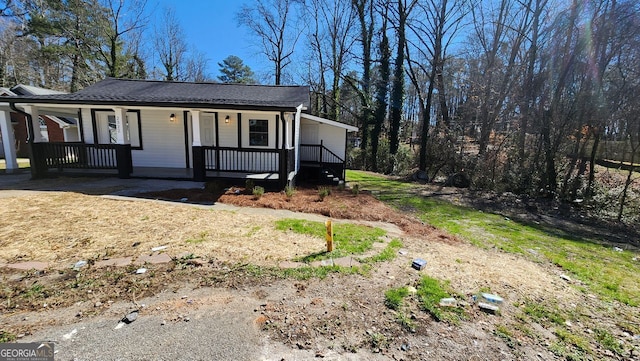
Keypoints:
(223, 159)
(318, 153)
(321, 156)
(76, 155)
(239, 160)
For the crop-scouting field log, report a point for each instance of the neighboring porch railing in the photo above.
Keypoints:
(76, 155)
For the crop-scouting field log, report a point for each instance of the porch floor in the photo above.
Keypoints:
(162, 173)
(171, 173)
(182, 173)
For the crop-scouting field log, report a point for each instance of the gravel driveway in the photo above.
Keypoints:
(204, 324)
(190, 324)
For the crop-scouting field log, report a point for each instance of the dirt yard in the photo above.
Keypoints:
(342, 316)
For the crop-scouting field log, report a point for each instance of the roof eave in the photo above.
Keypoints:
(314, 118)
(194, 105)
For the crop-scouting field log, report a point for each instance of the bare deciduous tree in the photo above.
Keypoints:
(364, 10)
(170, 46)
(331, 40)
(434, 28)
(277, 29)
(123, 18)
(402, 12)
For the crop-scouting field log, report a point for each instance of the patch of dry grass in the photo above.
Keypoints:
(62, 228)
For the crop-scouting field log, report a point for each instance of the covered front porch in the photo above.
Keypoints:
(197, 131)
(75, 158)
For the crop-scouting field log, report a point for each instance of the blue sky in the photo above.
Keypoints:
(212, 27)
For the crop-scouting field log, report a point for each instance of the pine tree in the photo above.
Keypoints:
(233, 70)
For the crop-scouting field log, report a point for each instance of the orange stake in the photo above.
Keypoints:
(329, 236)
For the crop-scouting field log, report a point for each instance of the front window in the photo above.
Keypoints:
(113, 133)
(258, 132)
(105, 130)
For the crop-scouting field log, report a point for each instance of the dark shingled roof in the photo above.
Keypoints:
(113, 91)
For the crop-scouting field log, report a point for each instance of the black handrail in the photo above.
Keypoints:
(76, 155)
(318, 153)
(245, 160)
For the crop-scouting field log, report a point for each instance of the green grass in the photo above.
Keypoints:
(349, 239)
(573, 339)
(506, 335)
(430, 292)
(378, 340)
(253, 231)
(6, 336)
(406, 322)
(35, 291)
(201, 237)
(543, 314)
(610, 274)
(373, 182)
(22, 163)
(608, 341)
(388, 253)
(393, 298)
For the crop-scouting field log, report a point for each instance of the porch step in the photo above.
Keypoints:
(330, 177)
(324, 174)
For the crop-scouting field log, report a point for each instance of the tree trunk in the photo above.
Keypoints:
(425, 110)
(549, 156)
(381, 94)
(627, 183)
(572, 164)
(592, 164)
(397, 92)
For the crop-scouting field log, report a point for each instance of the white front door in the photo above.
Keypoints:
(208, 133)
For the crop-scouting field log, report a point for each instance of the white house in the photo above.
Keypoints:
(157, 129)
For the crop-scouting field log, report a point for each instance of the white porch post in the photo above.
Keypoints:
(122, 128)
(195, 124)
(287, 132)
(123, 148)
(35, 121)
(8, 140)
(296, 137)
(199, 168)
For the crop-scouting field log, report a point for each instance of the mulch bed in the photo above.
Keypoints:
(341, 204)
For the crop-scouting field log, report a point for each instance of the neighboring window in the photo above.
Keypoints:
(44, 131)
(258, 132)
(106, 132)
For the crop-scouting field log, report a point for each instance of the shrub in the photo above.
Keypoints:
(323, 192)
(249, 185)
(289, 192)
(258, 192)
(355, 189)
